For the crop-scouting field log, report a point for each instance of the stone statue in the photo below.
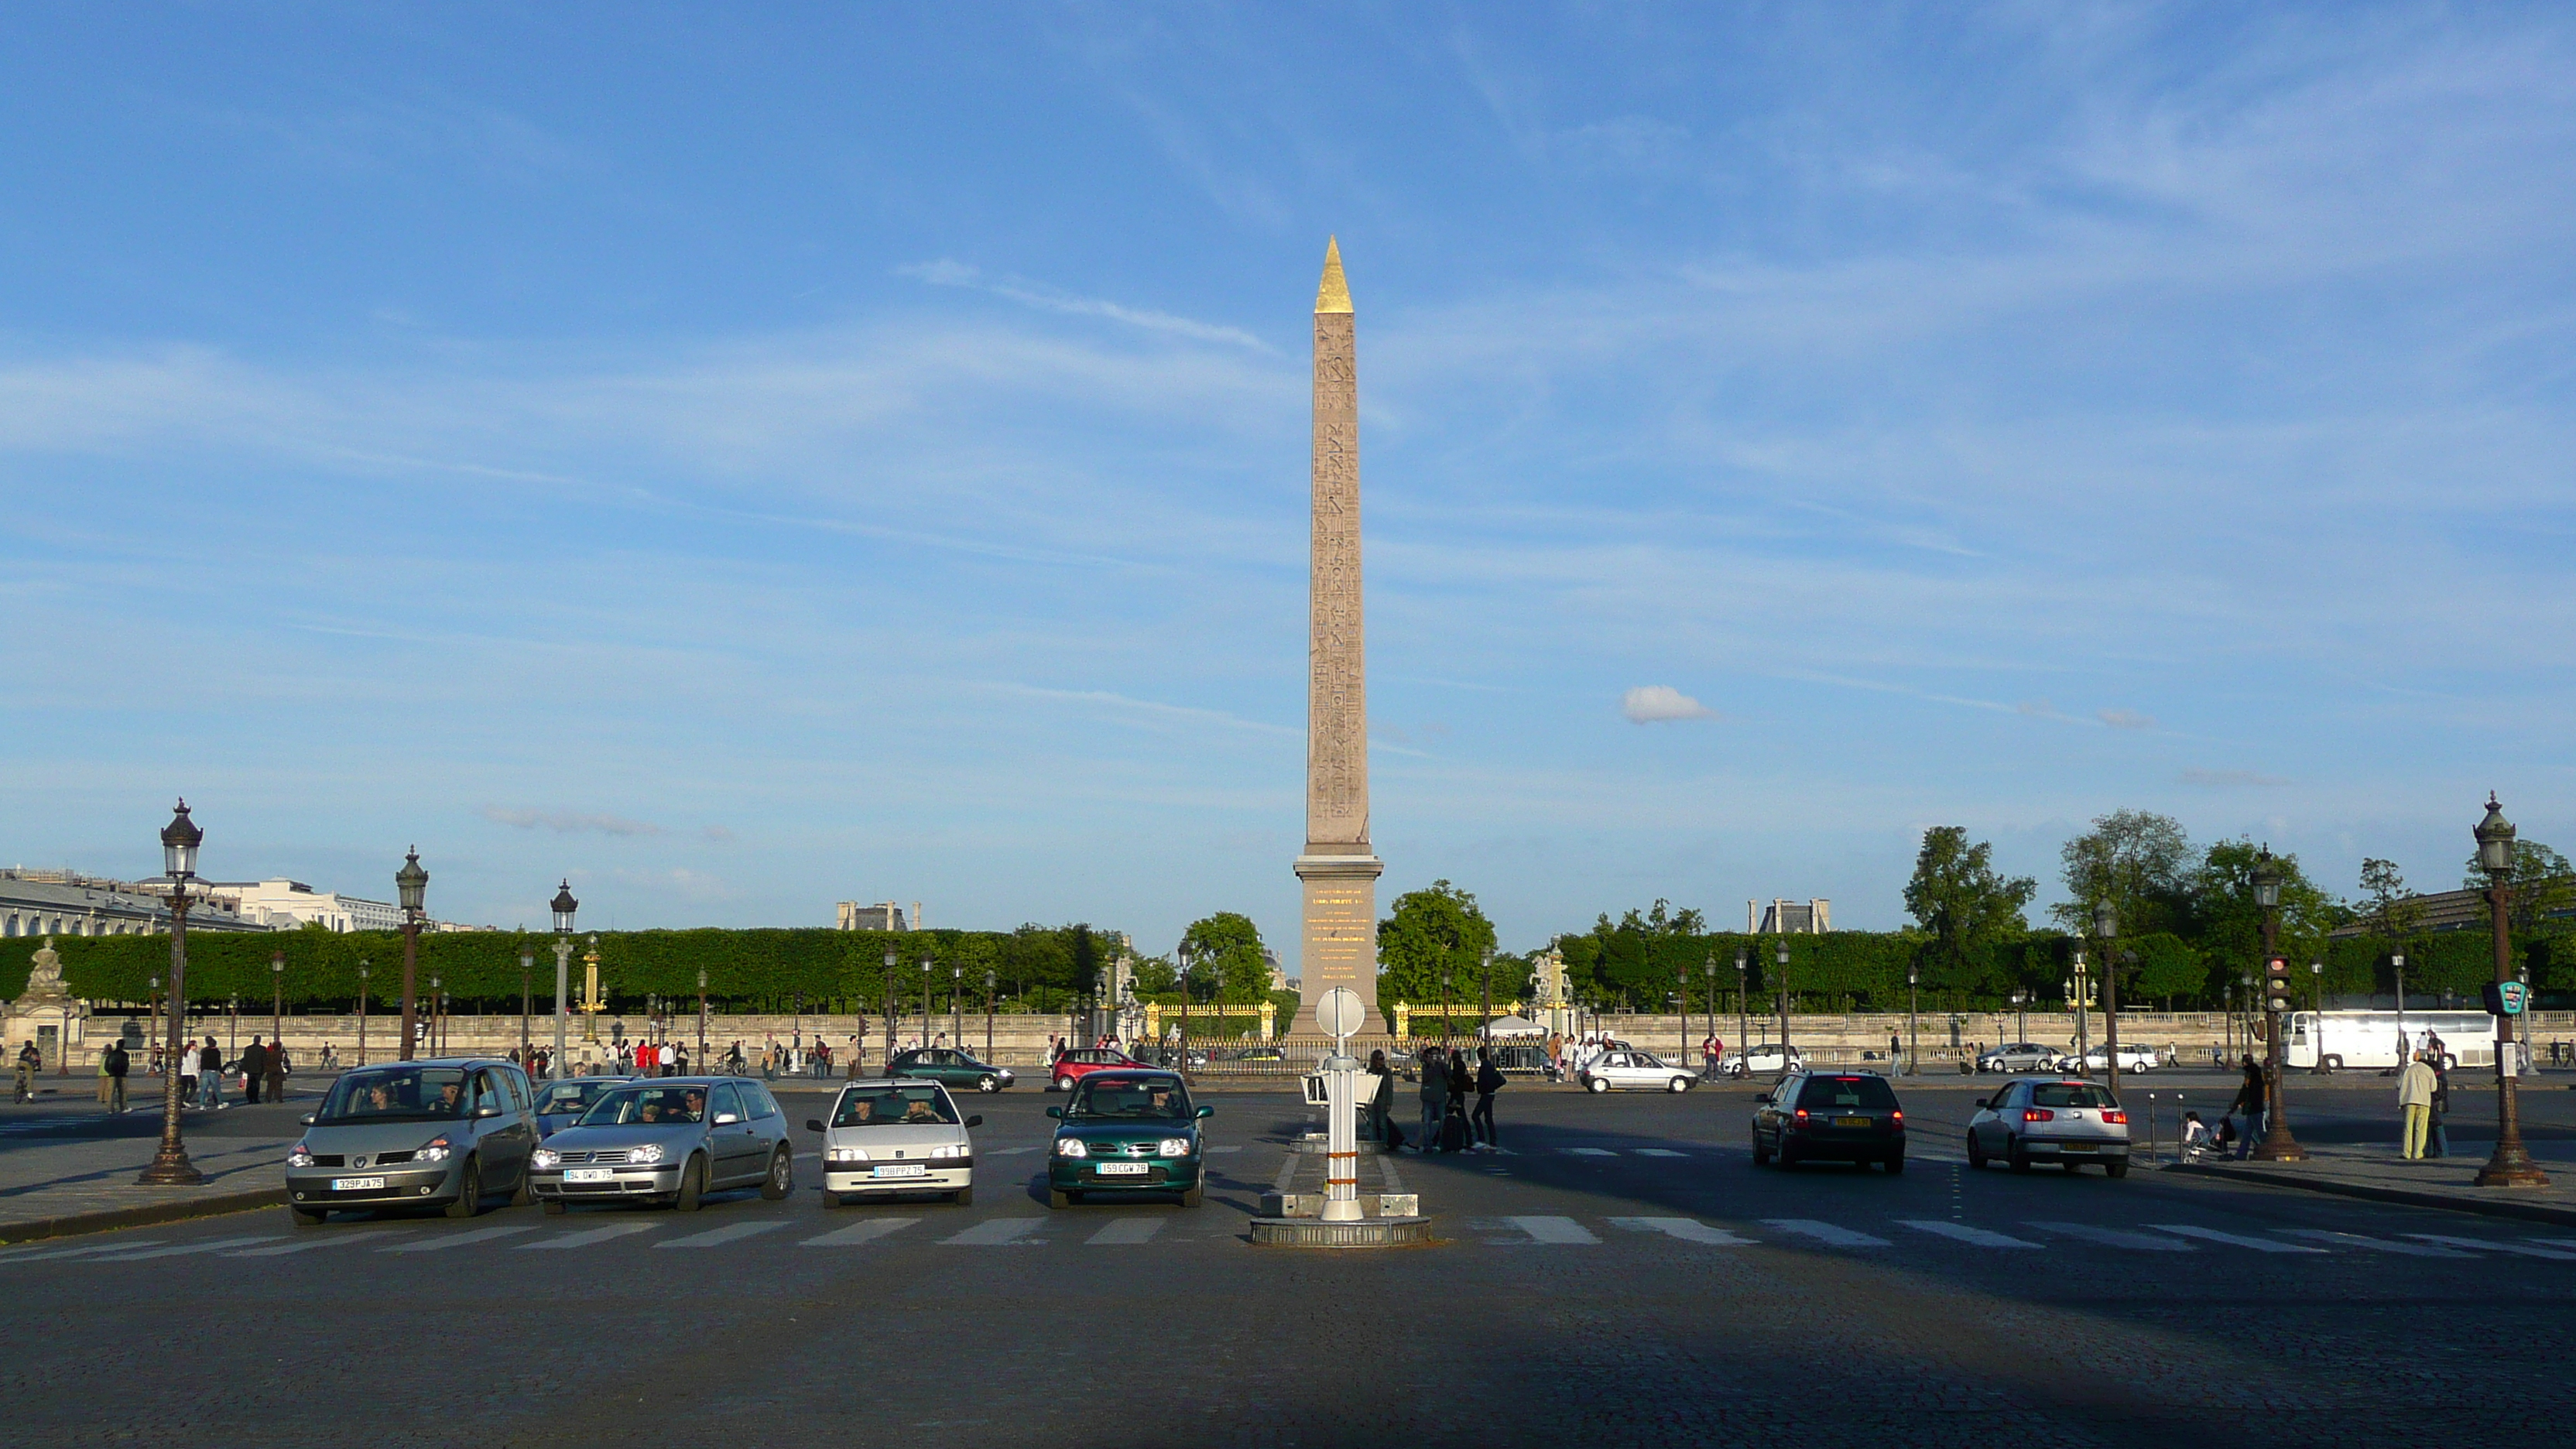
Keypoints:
(45, 980)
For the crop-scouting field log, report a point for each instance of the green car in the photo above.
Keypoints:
(950, 1069)
(1124, 1133)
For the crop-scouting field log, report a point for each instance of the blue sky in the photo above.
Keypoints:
(751, 460)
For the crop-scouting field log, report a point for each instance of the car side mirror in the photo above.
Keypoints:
(310, 1119)
(1762, 1096)
(1981, 1101)
(1057, 1112)
(975, 1121)
(1206, 1112)
(727, 1119)
(812, 1125)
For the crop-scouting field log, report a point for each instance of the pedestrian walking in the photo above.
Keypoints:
(1381, 1105)
(210, 1076)
(2437, 1138)
(1433, 1095)
(30, 1061)
(277, 1069)
(102, 1079)
(187, 1070)
(1895, 1048)
(254, 1069)
(115, 1063)
(2250, 1103)
(2415, 1106)
(1489, 1080)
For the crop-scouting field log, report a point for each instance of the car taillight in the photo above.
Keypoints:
(2037, 1114)
(1802, 1114)
(2119, 1118)
(1897, 1116)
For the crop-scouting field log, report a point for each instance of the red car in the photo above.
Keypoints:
(1081, 1062)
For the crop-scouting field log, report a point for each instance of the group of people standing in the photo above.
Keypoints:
(1448, 1123)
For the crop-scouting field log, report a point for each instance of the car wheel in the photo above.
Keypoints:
(2119, 1168)
(988, 1083)
(1761, 1154)
(521, 1196)
(963, 1197)
(782, 1176)
(309, 1217)
(1597, 1084)
(1894, 1164)
(554, 1207)
(1193, 1197)
(2014, 1157)
(1678, 1084)
(1057, 1199)
(1064, 1084)
(469, 1191)
(1976, 1154)
(1788, 1158)
(693, 1184)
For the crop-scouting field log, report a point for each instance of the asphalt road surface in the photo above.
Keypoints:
(1622, 1275)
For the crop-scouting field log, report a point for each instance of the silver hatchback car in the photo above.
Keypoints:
(2066, 1122)
(441, 1133)
(667, 1140)
(889, 1136)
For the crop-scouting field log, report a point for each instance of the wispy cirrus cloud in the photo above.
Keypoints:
(947, 273)
(2228, 779)
(567, 822)
(1657, 703)
(2125, 719)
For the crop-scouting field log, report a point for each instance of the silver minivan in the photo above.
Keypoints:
(443, 1133)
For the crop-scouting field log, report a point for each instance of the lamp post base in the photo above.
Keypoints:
(2278, 1147)
(2511, 1167)
(170, 1169)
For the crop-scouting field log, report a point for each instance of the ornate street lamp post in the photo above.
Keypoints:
(592, 1004)
(276, 999)
(563, 906)
(527, 1000)
(179, 840)
(2511, 1166)
(437, 998)
(1913, 1022)
(925, 1000)
(2317, 1027)
(2079, 991)
(362, 1011)
(1782, 956)
(2277, 1144)
(155, 1033)
(410, 883)
(892, 1008)
(989, 984)
(1681, 995)
(702, 1019)
(1708, 1000)
(956, 1013)
(2106, 929)
(1184, 954)
(2021, 1016)
(1743, 1012)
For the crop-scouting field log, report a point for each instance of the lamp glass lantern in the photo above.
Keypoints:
(563, 905)
(179, 841)
(2267, 881)
(2495, 841)
(411, 882)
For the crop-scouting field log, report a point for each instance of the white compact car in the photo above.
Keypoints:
(888, 1136)
(2067, 1122)
(1634, 1070)
(1766, 1057)
(2132, 1059)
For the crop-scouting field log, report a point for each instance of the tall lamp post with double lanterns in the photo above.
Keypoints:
(410, 884)
(2511, 1166)
(563, 906)
(170, 1166)
(2277, 1144)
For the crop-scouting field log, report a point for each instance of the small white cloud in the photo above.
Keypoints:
(2223, 779)
(1648, 703)
(564, 822)
(717, 832)
(2126, 719)
(2039, 708)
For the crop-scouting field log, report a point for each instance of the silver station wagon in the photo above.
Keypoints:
(442, 1133)
(667, 1140)
(890, 1136)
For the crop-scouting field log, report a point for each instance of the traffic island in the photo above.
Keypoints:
(1295, 1220)
(2446, 1183)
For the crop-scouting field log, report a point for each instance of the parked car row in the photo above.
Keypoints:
(2031, 1056)
(1854, 1116)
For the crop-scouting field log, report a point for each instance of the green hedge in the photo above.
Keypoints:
(1038, 968)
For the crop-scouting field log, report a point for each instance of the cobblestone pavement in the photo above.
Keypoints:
(1622, 1275)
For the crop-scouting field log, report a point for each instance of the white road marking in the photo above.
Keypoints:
(2260, 1245)
(1689, 1230)
(1826, 1233)
(718, 1237)
(863, 1232)
(1659, 1152)
(1553, 1230)
(1127, 1231)
(1287, 1174)
(995, 1233)
(1961, 1232)
(2114, 1238)
(213, 1245)
(439, 1245)
(1008, 1151)
(588, 1236)
(1221, 1151)
(317, 1239)
(40, 1255)
(2497, 1245)
(1587, 1152)
(2376, 1245)
(1388, 1176)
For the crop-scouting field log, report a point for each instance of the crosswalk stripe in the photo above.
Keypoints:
(2260, 1245)
(439, 1245)
(2497, 1245)
(2114, 1238)
(861, 1232)
(1659, 1152)
(1007, 1151)
(1587, 1152)
(1127, 1230)
(1826, 1233)
(305, 1245)
(1689, 1230)
(50, 1253)
(718, 1237)
(2376, 1245)
(1221, 1151)
(995, 1233)
(1553, 1230)
(588, 1236)
(1962, 1233)
(215, 1245)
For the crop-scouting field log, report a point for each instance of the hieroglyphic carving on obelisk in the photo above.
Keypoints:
(1338, 867)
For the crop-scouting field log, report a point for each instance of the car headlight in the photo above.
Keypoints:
(1173, 1147)
(846, 1154)
(545, 1159)
(649, 1152)
(299, 1156)
(947, 1149)
(1072, 1147)
(436, 1151)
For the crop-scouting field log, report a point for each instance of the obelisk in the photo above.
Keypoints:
(1338, 867)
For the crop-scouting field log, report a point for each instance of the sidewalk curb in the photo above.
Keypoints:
(2498, 1207)
(142, 1215)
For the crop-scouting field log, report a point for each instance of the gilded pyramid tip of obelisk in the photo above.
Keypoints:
(1335, 294)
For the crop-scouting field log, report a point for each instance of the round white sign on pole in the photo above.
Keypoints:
(1338, 1012)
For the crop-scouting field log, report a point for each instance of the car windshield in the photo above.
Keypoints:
(1152, 1099)
(2069, 1094)
(1830, 1094)
(647, 1106)
(396, 1093)
(560, 1099)
(893, 1107)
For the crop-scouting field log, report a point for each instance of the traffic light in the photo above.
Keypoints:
(2276, 984)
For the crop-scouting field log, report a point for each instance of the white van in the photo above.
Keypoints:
(2370, 1039)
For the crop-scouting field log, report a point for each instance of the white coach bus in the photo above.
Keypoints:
(2371, 1039)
